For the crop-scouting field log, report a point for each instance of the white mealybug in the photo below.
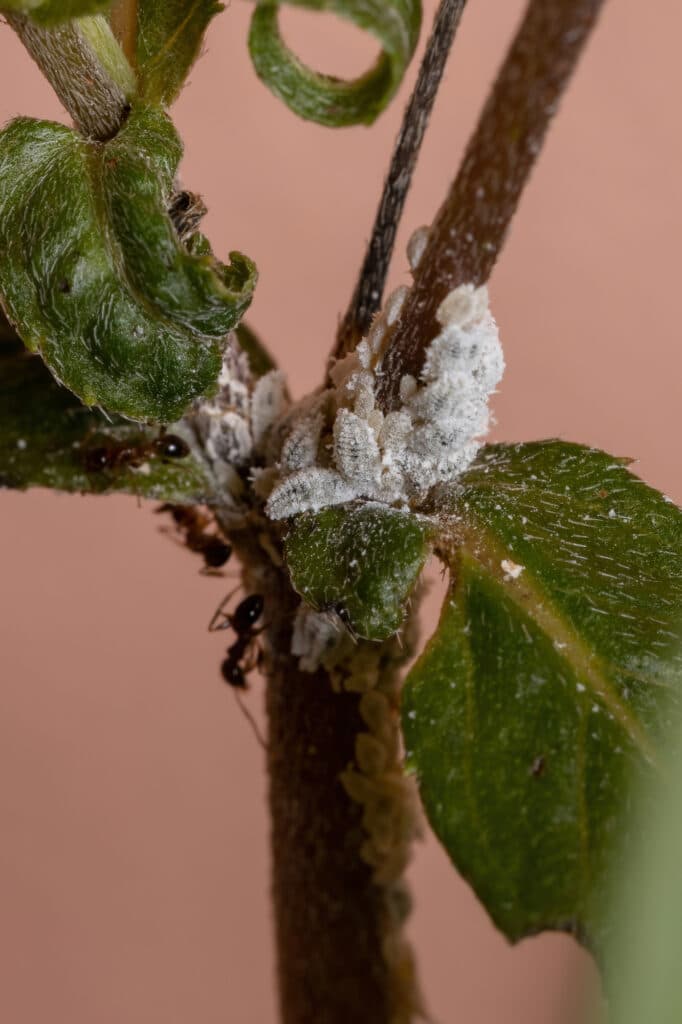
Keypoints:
(394, 305)
(300, 448)
(268, 402)
(356, 451)
(416, 247)
(315, 635)
(308, 490)
(229, 439)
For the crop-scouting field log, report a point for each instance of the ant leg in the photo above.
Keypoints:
(249, 718)
(214, 625)
(208, 570)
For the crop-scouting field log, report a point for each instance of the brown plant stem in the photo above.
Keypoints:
(337, 929)
(470, 228)
(369, 290)
(327, 910)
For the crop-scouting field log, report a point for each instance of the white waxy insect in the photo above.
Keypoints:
(356, 450)
(308, 490)
(229, 439)
(416, 247)
(463, 306)
(315, 634)
(268, 402)
(300, 448)
(394, 305)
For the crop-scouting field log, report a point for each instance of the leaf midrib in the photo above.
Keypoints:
(529, 595)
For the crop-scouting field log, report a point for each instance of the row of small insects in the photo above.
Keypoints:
(195, 526)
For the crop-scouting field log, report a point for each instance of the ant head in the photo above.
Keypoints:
(97, 459)
(170, 446)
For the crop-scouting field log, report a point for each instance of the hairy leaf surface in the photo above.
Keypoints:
(94, 276)
(170, 35)
(549, 676)
(47, 439)
(331, 101)
(361, 561)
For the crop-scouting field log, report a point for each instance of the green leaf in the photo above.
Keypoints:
(51, 12)
(94, 276)
(360, 561)
(321, 98)
(170, 34)
(549, 676)
(48, 439)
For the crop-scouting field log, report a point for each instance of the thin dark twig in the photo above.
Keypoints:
(369, 290)
(470, 228)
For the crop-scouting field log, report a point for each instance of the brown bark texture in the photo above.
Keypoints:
(469, 230)
(329, 914)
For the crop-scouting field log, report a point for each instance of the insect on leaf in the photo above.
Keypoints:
(361, 561)
(322, 98)
(547, 682)
(48, 439)
(95, 277)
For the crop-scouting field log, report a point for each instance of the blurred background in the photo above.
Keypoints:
(134, 853)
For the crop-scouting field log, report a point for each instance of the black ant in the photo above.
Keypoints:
(242, 621)
(117, 456)
(194, 523)
(233, 668)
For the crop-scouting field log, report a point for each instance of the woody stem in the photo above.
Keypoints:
(469, 231)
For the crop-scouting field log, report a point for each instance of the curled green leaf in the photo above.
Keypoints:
(50, 439)
(549, 680)
(94, 275)
(169, 38)
(321, 98)
(360, 561)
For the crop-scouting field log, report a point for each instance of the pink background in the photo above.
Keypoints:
(133, 861)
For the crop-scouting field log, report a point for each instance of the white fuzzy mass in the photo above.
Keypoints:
(395, 458)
